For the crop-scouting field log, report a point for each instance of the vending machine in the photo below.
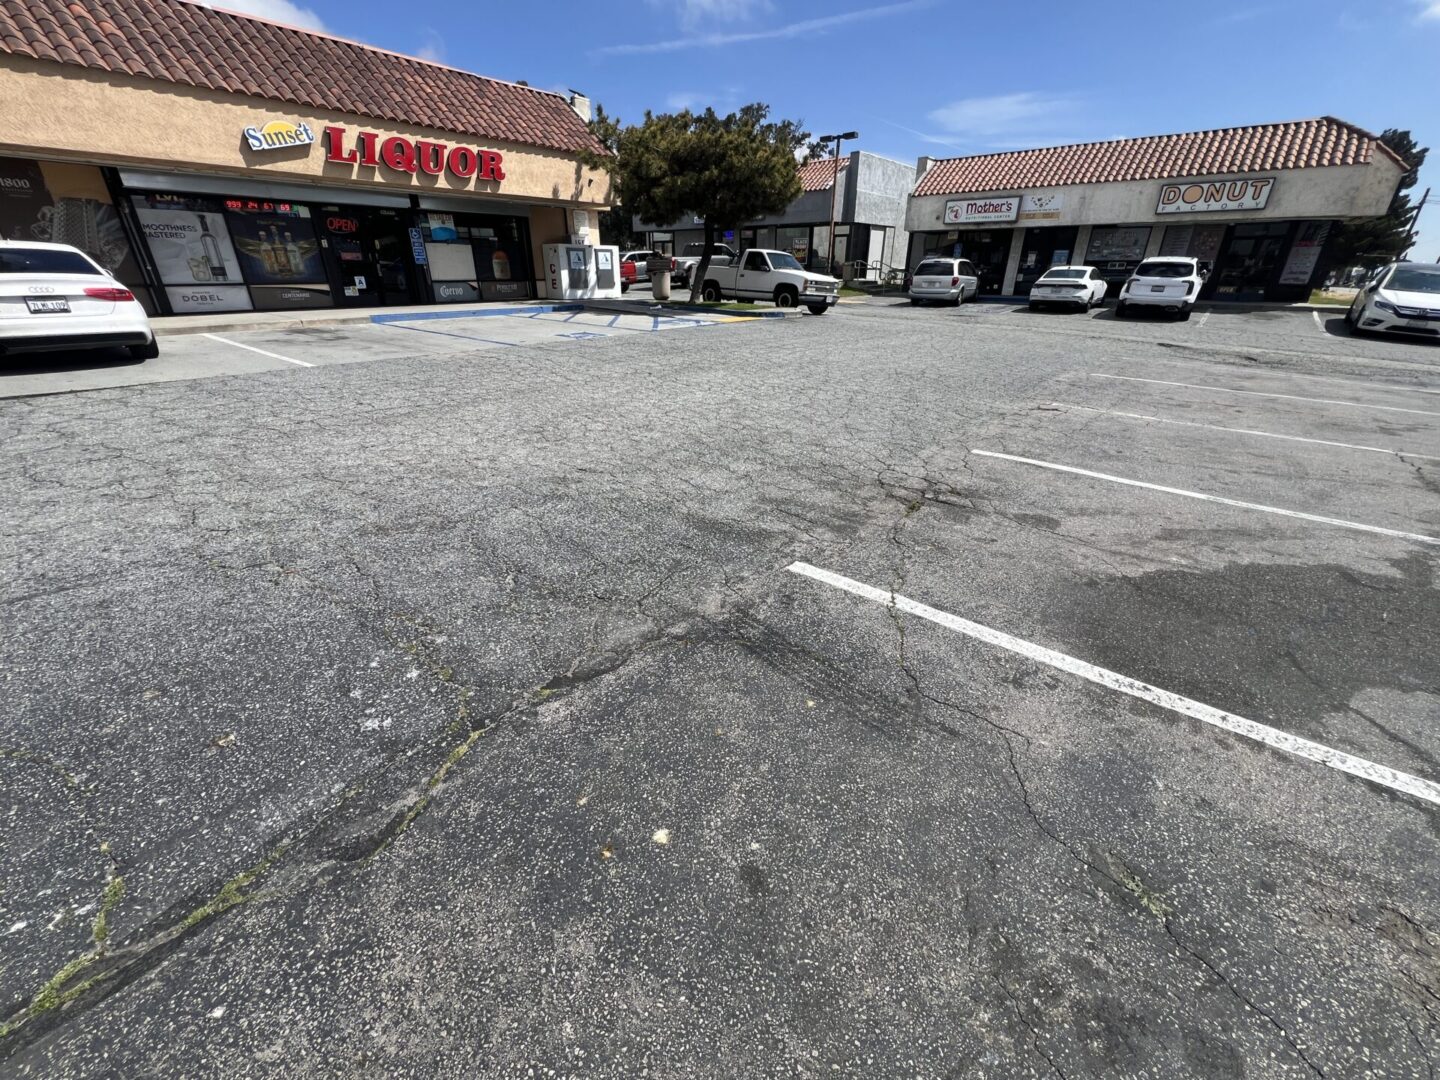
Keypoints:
(581, 271)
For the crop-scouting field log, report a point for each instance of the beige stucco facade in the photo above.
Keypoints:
(63, 112)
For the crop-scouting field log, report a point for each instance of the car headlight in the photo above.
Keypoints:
(1385, 305)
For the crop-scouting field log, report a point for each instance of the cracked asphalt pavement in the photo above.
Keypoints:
(454, 712)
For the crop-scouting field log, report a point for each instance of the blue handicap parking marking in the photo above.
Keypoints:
(581, 335)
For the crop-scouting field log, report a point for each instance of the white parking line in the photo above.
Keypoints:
(262, 352)
(1257, 393)
(1204, 318)
(1273, 737)
(1355, 383)
(1417, 537)
(1247, 431)
(1318, 324)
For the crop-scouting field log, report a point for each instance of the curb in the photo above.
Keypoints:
(628, 307)
(475, 313)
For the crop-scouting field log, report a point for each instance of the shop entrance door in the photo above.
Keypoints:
(1041, 249)
(988, 250)
(1250, 261)
(367, 253)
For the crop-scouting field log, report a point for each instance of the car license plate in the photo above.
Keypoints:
(43, 307)
(1157, 288)
(1417, 324)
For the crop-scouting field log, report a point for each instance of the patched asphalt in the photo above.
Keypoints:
(454, 712)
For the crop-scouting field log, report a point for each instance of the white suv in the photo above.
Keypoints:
(1168, 283)
(1402, 298)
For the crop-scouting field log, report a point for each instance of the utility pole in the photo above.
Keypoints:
(834, 186)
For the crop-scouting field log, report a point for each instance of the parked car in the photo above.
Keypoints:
(1403, 298)
(55, 297)
(944, 281)
(689, 259)
(1080, 287)
(771, 275)
(634, 267)
(1169, 283)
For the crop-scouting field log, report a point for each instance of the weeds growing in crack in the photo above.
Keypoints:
(61, 988)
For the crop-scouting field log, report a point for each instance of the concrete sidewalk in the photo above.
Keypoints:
(289, 320)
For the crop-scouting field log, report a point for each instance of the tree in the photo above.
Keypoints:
(1375, 241)
(725, 169)
(617, 223)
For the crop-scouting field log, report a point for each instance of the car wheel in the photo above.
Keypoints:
(1184, 315)
(624, 286)
(149, 351)
(818, 309)
(1120, 309)
(914, 302)
(958, 300)
(711, 293)
(786, 297)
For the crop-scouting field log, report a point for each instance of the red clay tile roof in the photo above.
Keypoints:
(1303, 144)
(178, 42)
(819, 175)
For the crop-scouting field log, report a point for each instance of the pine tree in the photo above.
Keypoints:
(1373, 242)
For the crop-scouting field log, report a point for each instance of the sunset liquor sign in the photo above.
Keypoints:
(413, 156)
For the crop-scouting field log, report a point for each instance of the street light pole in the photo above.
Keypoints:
(834, 185)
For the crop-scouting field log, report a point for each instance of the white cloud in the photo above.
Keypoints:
(693, 13)
(807, 28)
(433, 47)
(1009, 116)
(281, 11)
(1430, 9)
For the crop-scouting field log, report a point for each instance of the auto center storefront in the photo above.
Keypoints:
(1261, 231)
(208, 201)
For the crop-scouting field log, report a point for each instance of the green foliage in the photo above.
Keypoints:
(1376, 241)
(725, 169)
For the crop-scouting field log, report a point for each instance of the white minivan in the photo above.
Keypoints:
(944, 281)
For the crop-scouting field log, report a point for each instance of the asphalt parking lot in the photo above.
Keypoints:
(904, 692)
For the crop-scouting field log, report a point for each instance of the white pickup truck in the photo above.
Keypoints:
(761, 274)
(689, 259)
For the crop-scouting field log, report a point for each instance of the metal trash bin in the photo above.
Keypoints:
(659, 273)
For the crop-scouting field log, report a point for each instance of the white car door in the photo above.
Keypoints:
(754, 279)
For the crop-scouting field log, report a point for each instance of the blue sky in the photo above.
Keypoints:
(945, 78)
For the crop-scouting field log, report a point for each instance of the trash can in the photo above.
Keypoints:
(659, 272)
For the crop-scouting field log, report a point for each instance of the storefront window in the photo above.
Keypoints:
(478, 256)
(279, 254)
(191, 248)
(61, 203)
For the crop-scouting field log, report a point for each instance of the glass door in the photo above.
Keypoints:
(367, 253)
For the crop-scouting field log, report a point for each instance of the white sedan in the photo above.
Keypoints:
(1403, 298)
(55, 297)
(1079, 286)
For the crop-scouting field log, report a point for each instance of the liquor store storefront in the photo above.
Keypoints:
(1254, 205)
(357, 178)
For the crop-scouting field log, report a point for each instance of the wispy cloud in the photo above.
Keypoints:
(805, 28)
(433, 46)
(694, 13)
(281, 11)
(1005, 116)
(1243, 16)
(1430, 9)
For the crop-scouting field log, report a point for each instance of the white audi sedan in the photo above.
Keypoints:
(55, 297)
(1167, 283)
(1080, 287)
(1403, 298)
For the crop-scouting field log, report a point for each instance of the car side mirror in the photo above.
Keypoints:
(1372, 286)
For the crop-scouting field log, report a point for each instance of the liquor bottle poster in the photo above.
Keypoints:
(276, 243)
(188, 240)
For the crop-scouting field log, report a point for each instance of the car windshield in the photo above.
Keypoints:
(935, 268)
(1063, 275)
(782, 260)
(1414, 279)
(1165, 269)
(15, 260)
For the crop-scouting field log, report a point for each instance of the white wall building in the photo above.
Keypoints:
(1256, 203)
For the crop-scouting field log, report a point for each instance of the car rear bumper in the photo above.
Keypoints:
(1164, 303)
(935, 294)
(80, 332)
(1079, 299)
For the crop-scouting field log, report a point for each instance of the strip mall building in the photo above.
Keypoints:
(217, 162)
(1256, 203)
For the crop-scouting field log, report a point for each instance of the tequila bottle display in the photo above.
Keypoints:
(292, 252)
(215, 263)
(282, 257)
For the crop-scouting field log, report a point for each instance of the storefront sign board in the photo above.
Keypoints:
(278, 135)
(1042, 207)
(417, 247)
(966, 210)
(1199, 196)
(1305, 253)
(413, 155)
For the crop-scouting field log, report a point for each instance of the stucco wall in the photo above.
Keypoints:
(880, 197)
(1340, 191)
(65, 112)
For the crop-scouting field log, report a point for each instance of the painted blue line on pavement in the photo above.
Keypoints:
(613, 320)
(474, 313)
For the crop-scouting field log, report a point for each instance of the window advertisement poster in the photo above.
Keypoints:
(275, 241)
(56, 203)
(1122, 244)
(1305, 253)
(191, 248)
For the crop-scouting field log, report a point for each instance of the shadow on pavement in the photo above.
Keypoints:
(44, 363)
